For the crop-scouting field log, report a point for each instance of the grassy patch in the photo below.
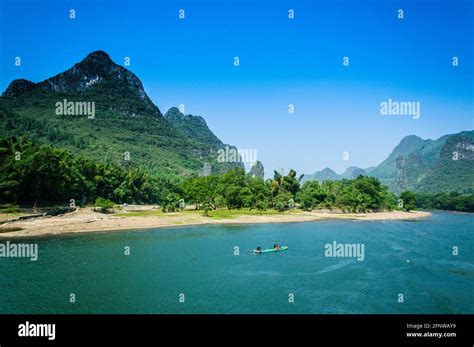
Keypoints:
(147, 213)
(229, 214)
(10, 208)
(9, 211)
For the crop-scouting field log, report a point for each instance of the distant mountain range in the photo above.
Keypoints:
(442, 165)
(125, 120)
(327, 174)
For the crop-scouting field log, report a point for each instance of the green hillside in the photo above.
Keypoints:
(325, 174)
(454, 169)
(192, 126)
(429, 165)
(425, 166)
(127, 128)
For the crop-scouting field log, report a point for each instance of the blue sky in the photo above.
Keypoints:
(282, 61)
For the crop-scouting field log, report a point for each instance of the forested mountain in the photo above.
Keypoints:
(428, 166)
(192, 126)
(441, 165)
(100, 110)
(325, 174)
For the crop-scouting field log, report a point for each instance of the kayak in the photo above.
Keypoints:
(282, 248)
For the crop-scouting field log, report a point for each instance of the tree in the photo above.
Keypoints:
(409, 200)
(247, 197)
(260, 191)
(103, 205)
(206, 208)
(310, 195)
(282, 201)
(288, 183)
(230, 185)
(171, 203)
(31, 173)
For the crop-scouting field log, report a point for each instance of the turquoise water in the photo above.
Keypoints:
(200, 263)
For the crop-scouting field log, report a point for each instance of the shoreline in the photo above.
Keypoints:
(85, 220)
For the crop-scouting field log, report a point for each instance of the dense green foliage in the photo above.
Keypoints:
(103, 205)
(446, 201)
(42, 174)
(452, 201)
(352, 195)
(236, 190)
(408, 200)
(31, 173)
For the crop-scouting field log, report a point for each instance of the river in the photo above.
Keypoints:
(196, 269)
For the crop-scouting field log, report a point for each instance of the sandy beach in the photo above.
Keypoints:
(144, 217)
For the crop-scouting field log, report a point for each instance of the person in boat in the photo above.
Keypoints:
(276, 247)
(258, 250)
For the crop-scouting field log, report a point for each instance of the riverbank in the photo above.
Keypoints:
(144, 217)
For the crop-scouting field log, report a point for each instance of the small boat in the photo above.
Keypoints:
(93, 220)
(282, 248)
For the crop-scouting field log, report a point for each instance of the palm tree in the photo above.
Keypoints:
(288, 183)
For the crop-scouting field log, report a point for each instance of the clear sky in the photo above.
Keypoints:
(282, 61)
